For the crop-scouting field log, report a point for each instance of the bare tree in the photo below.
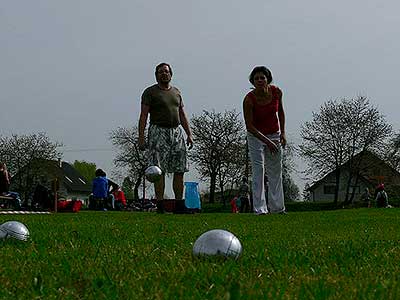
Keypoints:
(392, 152)
(340, 131)
(24, 155)
(306, 193)
(129, 157)
(219, 148)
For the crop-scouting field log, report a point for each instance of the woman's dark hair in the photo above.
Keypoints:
(161, 65)
(260, 69)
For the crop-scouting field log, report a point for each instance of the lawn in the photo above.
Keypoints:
(340, 254)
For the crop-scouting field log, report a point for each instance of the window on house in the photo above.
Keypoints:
(82, 180)
(68, 179)
(329, 189)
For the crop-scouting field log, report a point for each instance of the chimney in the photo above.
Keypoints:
(60, 163)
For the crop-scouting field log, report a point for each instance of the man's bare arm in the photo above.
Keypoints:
(144, 112)
(186, 127)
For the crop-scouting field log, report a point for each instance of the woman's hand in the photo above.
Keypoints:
(273, 147)
(283, 140)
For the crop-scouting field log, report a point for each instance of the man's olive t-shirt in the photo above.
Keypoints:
(164, 105)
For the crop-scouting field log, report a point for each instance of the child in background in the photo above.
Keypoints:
(120, 200)
(234, 203)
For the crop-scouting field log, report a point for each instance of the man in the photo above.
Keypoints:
(166, 142)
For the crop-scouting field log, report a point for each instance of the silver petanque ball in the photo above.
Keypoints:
(217, 242)
(15, 229)
(3, 234)
(153, 173)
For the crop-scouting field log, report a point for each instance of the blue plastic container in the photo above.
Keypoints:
(192, 196)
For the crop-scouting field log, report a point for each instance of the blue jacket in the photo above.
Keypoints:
(100, 187)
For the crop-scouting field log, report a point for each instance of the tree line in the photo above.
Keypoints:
(335, 134)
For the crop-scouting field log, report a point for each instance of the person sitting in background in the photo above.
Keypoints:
(100, 198)
(120, 200)
(5, 186)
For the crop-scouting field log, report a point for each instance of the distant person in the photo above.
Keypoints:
(366, 197)
(381, 197)
(5, 181)
(234, 204)
(166, 141)
(265, 123)
(120, 200)
(100, 197)
(41, 196)
(244, 196)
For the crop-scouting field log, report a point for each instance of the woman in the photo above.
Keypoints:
(265, 123)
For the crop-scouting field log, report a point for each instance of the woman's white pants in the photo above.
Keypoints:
(263, 163)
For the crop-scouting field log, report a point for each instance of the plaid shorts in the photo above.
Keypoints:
(167, 149)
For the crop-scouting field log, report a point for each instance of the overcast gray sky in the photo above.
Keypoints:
(76, 69)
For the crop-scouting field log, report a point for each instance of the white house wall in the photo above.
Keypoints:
(319, 195)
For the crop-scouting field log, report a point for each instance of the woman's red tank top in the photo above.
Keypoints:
(265, 117)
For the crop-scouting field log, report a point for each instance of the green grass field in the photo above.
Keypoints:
(341, 254)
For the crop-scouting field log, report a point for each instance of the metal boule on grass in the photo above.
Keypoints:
(153, 173)
(3, 234)
(217, 242)
(15, 230)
